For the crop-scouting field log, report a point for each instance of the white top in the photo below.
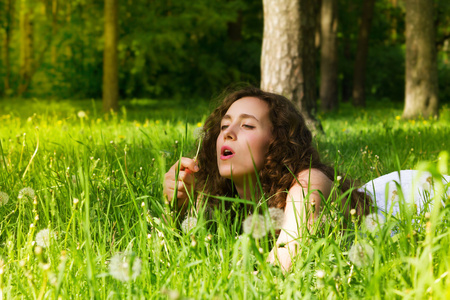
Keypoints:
(416, 186)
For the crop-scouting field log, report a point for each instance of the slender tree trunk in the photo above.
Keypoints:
(54, 30)
(359, 76)
(26, 47)
(110, 59)
(9, 14)
(235, 28)
(421, 93)
(288, 56)
(329, 56)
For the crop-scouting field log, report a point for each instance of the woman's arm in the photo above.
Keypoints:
(300, 210)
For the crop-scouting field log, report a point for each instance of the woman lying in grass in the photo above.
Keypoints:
(256, 130)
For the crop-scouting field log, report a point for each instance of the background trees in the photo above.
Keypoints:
(287, 59)
(421, 95)
(167, 49)
(110, 68)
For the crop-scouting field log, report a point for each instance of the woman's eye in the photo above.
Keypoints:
(248, 126)
(223, 127)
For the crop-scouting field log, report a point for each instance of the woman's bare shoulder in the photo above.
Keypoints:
(313, 177)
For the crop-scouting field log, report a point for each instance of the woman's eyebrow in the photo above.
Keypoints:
(241, 116)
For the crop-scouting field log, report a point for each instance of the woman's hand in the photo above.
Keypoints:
(184, 184)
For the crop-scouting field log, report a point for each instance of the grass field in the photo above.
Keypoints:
(90, 224)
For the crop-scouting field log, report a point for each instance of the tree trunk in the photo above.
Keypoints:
(359, 76)
(26, 47)
(9, 14)
(110, 59)
(421, 93)
(329, 56)
(54, 30)
(288, 56)
(235, 28)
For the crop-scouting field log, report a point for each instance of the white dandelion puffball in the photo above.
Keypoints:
(44, 237)
(277, 217)
(373, 222)
(361, 254)
(125, 266)
(188, 224)
(198, 133)
(81, 114)
(4, 198)
(255, 225)
(26, 192)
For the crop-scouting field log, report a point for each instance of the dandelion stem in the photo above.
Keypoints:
(34, 154)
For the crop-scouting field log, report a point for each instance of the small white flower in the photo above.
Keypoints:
(255, 225)
(277, 217)
(125, 266)
(188, 224)
(81, 114)
(361, 254)
(338, 178)
(4, 198)
(27, 193)
(44, 237)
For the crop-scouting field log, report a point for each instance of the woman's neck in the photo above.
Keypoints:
(248, 189)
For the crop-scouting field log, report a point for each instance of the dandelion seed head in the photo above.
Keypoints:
(81, 114)
(44, 237)
(27, 193)
(198, 133)
(277, 217)
(125, 266)
(255, 225)
(4, 198)
(373, 222)
(320, 274)
(361, 254)
(188, 224)
(38, 250)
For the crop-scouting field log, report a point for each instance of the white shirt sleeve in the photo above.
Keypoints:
(415, 186)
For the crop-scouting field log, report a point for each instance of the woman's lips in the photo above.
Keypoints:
(226, 153)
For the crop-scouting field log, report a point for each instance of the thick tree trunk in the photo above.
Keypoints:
(288, 56)
(328, 56)
(359, 76)
(26, 47)
(421, 93)
(110, 59)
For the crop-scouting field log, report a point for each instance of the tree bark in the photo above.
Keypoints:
(9, 14)
(110, 59)
(26, 47)
(359, 75)
(288, 56)
(421, 92)
(329, 56)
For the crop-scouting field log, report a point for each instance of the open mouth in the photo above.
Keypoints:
(226, 152)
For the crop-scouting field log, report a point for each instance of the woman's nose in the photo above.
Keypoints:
(230, 133)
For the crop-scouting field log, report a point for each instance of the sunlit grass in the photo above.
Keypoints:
(98, 193)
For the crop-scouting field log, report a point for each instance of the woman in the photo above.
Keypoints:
(255, 135)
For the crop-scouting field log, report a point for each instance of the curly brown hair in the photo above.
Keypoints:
(290, 152)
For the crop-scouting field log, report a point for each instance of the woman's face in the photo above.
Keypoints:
(245, 134)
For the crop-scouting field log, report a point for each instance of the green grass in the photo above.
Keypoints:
(98, 184)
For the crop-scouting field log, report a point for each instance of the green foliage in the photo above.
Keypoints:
(98, 185)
